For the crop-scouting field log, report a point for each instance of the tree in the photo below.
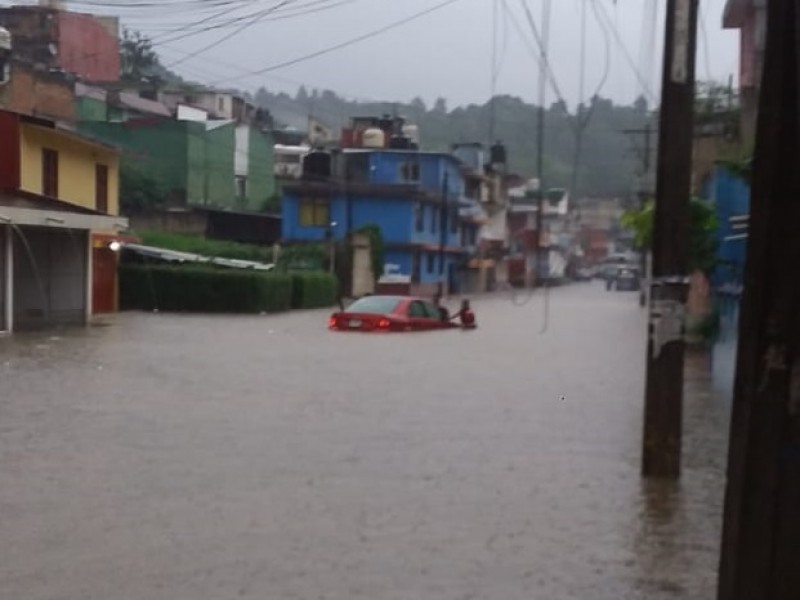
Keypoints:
(440, 106)
(137, 57)
(702, 242)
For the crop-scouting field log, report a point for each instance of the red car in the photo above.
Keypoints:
(390, 313)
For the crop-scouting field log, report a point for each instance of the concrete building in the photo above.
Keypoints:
(81, 44)
(35, 92)
(402, 192)
(58, 207)
(192, 163)
(750, 18)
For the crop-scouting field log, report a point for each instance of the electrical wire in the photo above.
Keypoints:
(603, 13)
(249, 23)
(345, 44)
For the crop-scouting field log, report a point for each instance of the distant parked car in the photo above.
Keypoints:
(626, 279)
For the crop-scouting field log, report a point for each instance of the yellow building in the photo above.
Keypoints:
(59, 202)
(67, 166)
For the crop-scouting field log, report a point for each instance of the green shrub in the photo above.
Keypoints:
(202, 289)
(313, 290)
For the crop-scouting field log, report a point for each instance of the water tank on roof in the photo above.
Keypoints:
(400, 142)
(317, 165)
(5, 40)
(373, 138)
(498, 154)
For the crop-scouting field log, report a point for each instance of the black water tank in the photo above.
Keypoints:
(400, 142)
(498, 154)
(317, 164)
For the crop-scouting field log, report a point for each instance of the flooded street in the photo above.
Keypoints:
(209, 458)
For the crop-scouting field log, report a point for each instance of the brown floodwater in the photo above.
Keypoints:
(217, 457)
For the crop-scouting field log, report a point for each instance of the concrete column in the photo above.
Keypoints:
(9, 279)
(89, 277)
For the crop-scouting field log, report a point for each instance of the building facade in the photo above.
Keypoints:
(58, 207)
(414, 198)
(84, 45)
(750, 18)
(206, 164)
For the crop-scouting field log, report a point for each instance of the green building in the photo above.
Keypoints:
(221, 163)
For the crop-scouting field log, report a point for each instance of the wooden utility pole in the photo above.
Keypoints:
(761, 533)
(544, 65)
(661, 451)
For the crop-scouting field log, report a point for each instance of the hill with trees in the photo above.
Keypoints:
(607, 163)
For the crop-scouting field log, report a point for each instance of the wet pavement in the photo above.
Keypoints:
(210, 458)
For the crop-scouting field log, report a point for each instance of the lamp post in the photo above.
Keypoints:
(442, 235)
(332, 246)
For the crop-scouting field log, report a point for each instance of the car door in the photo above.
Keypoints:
(418, 316)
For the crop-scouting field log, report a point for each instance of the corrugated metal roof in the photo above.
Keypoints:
(188, 257)
(134, 101)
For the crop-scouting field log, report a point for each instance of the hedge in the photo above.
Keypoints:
(313, 290)
(202, 289)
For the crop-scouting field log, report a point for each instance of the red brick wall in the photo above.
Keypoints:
(86, 48)
(38, 94)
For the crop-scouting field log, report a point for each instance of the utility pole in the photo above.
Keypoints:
(760, 554)
(543, 67)
(442, 233)
(661, 448)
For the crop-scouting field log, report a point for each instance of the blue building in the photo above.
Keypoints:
(731, 198)
(417, 199)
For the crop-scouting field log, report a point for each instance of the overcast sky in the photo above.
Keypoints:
(445, 53)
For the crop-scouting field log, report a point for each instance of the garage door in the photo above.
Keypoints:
(50, 270)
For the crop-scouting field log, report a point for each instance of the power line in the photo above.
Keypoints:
(344, 44)
(238, 30)
(621, 44)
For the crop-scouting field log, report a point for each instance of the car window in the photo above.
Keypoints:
(374, 305)
(431, 311)
(417, 310)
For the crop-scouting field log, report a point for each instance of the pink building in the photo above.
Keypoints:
(750, 18)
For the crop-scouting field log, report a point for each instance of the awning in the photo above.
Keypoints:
(20, 216)
(174, 256)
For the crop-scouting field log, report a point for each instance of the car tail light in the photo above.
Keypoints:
(332, 323)
(384, 324)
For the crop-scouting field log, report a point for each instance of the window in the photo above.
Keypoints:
(49, 173)
(241, 187)
(101, 188)
(434, 219)
(416, 262)
(419, 216)
(221, 104)
(431, 262)
(374, 305)
(417, 310)
(453, 220)
(314, 213)
(409, 171)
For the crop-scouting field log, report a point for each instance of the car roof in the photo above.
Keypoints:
(397, 298)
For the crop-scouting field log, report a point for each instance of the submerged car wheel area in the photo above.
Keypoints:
(398, 313)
